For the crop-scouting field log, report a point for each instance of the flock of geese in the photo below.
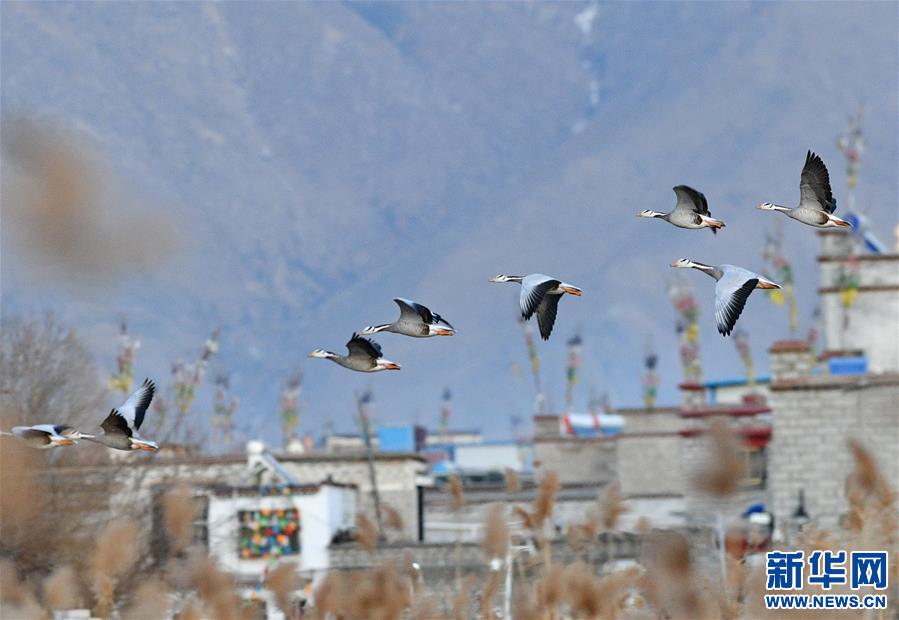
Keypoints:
(540, 295)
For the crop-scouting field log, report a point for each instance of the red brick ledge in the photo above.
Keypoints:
(870, 288)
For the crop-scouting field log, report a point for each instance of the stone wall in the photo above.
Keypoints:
(813, 419)
(577, 460)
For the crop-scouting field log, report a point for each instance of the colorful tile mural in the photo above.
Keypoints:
(268, 533)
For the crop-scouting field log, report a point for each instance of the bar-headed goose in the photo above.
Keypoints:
(364, 356)
(816, 201)
(45, 436)
(691, 211)
(415, 320)
(540, 294)
(121, 425)
(733, 289)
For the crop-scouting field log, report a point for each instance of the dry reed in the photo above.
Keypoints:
(61, 589)
(488, 593)
(513, 484)
(546, 497)
(283, 581)
(149, 601)
(612, 506)
(393, 520)
(180, 510)
(457, 495)
(331, 595)
(366, 534)
(215, 587)
(725, 466)
(496, 533)
(115, 552)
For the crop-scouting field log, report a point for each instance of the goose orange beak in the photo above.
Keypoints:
(768, 285)
(444, 332)
(571, 290)
(65, 442)
(391, 366)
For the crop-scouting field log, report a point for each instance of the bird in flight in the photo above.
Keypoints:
(415, 320)
(816, 201)
(691, 211)
(45, 436)
(121, 425)
(540, 295)
(364, 355)
(731, 292)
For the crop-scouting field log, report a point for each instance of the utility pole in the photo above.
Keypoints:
(362, 401)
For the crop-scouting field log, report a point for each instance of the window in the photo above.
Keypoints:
(268, 533)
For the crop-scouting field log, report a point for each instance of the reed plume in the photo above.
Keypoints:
(180, 510)
(61, 590)
(115, 552)
(496, 533)
(366, 534)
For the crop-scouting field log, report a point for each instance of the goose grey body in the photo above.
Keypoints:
(691, 211)
(121, 425)
(540, 295)
(45, 436)
(415, 320)
(363, 355)
(816, 201)
(734, 285)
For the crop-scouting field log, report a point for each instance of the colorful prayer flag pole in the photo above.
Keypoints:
(574, 364)
(687, 328)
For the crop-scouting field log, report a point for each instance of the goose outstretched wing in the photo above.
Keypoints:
(731, 293)
(546, 314)
(414, 311)
(134, 409)
(814, 185)
(358, 345)
(533, 289)
(117, 424)
(31, 435)
(689, 199)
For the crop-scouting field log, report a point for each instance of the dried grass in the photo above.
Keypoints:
(546, 497)
(528, 519)
(17, 600)
(393, 520)
(491, 587)
(331, 595)
(592, 597)
(513, 484)
(61, 589)
(496, 533)
(180, 510)
(380, 593)
(282, 581)
(366, 534)
(115, 552)
(462, 598)
(457, 495)
(149, 601)
(725, 467)
(215, 587)
(67, 216)
(550, 589)
(612, 506)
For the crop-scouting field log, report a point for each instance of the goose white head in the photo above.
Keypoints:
(766, 206)
(682, 263)
(649, 213)
(319, 353)
(504, 278)
(386, 364)
(368, 331)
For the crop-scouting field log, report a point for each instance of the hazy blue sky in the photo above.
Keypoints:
(318, 160)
